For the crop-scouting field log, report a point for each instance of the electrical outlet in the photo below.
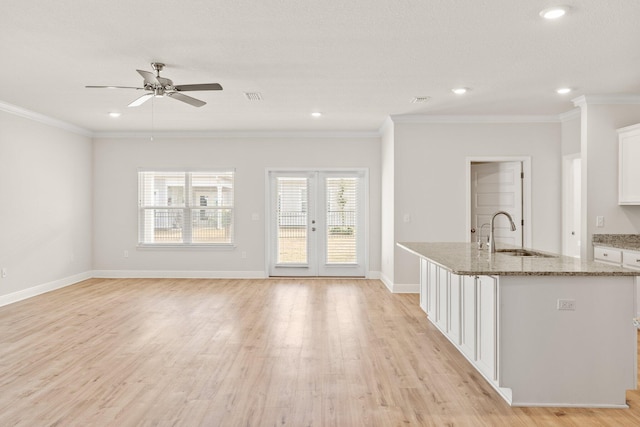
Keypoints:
(406, 218)
(126, 254)
(566, 304)
(4, 272)
(599, 221)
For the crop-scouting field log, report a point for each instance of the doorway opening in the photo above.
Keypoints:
(499, 184)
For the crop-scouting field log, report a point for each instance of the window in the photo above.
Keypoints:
(185, 208)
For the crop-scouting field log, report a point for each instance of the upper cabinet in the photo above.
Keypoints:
(629, 165)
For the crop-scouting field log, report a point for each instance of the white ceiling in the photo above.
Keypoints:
(357, 61)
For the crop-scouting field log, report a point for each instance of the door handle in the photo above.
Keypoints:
(473, 230)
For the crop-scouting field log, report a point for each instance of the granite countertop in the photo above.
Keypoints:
(467, 259)
(619, 241)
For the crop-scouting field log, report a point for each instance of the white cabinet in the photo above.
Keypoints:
(442, 306)
(424, 271)
(468, 302)
(487, 317)
(454, 319)
(608, 255)
(465, 309)
(631, 259)
(628, 161)
(432, 290)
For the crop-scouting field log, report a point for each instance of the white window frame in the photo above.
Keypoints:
(188, 208)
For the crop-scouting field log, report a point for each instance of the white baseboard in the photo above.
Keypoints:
(177, 274)
(399, 288)
(374, 275)
(43, 288)
(406, 288)
(388, 283)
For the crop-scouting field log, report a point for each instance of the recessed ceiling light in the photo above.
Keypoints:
(114, 114)
(316, 114)
(460, 90)
(563, 90)
(554, 12)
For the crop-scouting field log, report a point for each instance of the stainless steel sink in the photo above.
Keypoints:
(524, 252)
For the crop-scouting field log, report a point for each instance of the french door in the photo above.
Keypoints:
(317, 225)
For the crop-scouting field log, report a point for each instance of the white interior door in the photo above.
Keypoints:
(571, 206)
(317, 225)
(496, 186)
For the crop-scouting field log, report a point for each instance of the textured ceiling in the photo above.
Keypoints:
(356, 61)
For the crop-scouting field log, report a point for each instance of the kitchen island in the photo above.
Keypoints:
(543, 330)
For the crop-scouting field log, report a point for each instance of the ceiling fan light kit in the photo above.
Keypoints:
(157, 86)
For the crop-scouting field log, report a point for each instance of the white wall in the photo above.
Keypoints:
(387, 190)
(116, 161)
(600, 171)
(570, 130)
(45, 206)
(430, 175)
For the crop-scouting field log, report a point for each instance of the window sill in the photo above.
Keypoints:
(188, 247)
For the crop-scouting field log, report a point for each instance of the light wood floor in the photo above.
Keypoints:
(276, 352)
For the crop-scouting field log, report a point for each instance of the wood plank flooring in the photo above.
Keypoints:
(273, 352)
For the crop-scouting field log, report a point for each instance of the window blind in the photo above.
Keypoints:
(186, 208)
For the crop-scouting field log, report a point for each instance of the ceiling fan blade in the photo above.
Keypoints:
(164, 81)
(184, 98)
(149, 77)
(113, 87)
(204, 86)
(141, 100)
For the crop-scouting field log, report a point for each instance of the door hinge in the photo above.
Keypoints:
(521, 175)
(522, 222)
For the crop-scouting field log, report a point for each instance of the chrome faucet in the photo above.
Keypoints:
(492, 242)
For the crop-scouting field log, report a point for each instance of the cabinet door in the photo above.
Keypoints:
(607, 255)
(424, 271)
(486, 361)
(432, 289)
(453, 322)
(629, 173)
(442, 310)
(631, 259)
(468, 302)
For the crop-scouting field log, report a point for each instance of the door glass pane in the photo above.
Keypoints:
(342, 214)
(292, 216)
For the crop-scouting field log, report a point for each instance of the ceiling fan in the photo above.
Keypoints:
(162, 86)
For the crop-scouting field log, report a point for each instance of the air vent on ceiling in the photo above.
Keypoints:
(253, 96)
(420, 99)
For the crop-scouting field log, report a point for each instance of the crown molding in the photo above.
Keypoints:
(238, 134)
(421, 118)
(574, 113)
(620, 99)
(41, 118)
(387, 124)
